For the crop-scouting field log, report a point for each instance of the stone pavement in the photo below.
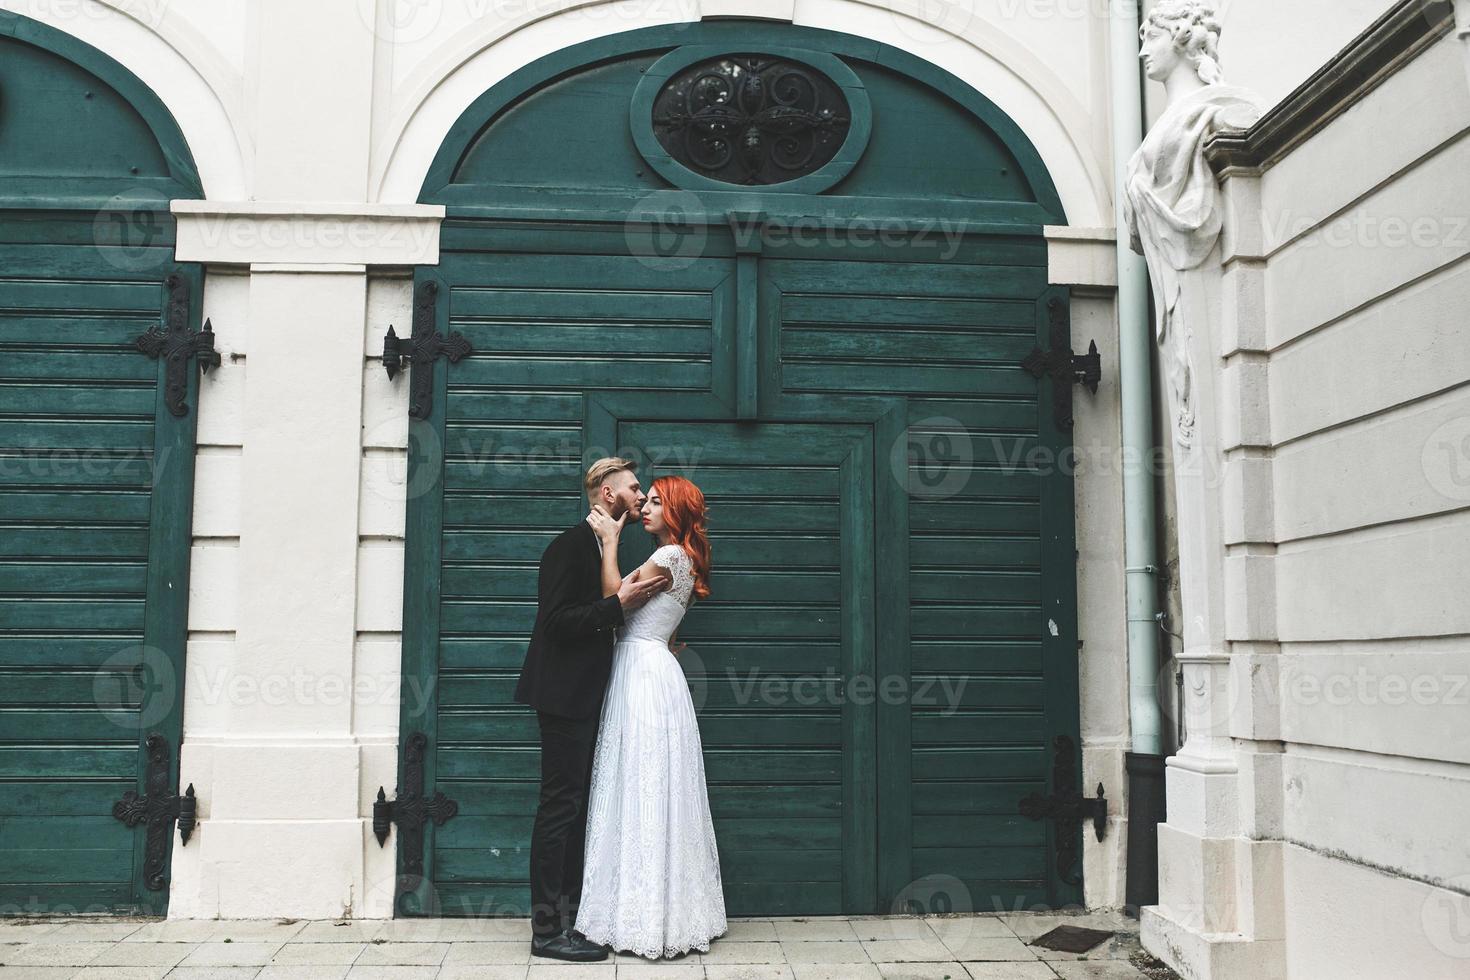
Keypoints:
(968, 947)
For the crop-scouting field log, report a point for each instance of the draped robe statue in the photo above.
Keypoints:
(1171, 200)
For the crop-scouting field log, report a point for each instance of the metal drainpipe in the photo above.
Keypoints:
(1145, 763)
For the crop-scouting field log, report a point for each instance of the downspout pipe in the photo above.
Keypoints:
(1145, 762)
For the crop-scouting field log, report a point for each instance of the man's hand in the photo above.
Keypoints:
(606, 529)
(633, 593)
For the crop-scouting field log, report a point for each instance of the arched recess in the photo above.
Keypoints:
(840, 365)
(99, 345)
(975, 48)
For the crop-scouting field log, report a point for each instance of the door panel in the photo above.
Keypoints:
(983, 522)
(773, 650)
(881, 520)
(96, 480)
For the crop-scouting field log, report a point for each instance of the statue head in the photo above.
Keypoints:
(1180, 33)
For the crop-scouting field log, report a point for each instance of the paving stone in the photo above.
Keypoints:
(824, 952)
(814, 930)
(835, 971)
(138, 972)
(1010, 971)
(478, 971)
(304, 971)
(923, 971)
(993, 949)
(323, 954)
(1097, 970)
(56, 954)
(402, 954)
(723, 951)
(340, 931)
(750, 930)
(894, 928)
(175, 931)
(231, 954)
(571, 971)
(504, 953)
(908, 951)
(747, 971)
(143, 954)
(659, 971)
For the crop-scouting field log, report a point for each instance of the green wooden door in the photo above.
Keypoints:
(836, 359)
(789, 756)
(96, 478)
(890, 648)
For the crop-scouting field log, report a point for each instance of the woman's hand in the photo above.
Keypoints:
(606, 529)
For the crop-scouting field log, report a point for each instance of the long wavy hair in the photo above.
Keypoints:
(684, 513)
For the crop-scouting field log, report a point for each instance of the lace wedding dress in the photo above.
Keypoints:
(651, 881)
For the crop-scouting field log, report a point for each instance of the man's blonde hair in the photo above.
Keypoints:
(599, 471)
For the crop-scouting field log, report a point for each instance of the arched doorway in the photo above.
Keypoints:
(801, 268)
(98, 402)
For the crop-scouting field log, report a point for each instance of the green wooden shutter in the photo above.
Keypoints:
(96, 481)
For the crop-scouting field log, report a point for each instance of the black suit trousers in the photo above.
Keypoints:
(559, 836)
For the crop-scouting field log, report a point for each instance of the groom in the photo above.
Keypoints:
(564, 679)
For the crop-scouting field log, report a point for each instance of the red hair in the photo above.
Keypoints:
(684, 513)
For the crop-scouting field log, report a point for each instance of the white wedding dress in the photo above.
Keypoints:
(651, 881)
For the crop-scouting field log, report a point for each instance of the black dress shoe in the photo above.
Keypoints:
(565, 946)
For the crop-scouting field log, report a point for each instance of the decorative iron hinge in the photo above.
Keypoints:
(411, 810)
(175, 344)
(421, 350)
(1066, 368)
(1067, 808)
(161, 806)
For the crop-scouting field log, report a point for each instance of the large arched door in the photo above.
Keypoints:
(802, 269)
(98, 401)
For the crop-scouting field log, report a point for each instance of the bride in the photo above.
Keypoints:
(651, 881)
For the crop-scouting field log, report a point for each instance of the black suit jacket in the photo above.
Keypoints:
(570, 655)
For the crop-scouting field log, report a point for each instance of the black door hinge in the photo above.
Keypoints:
(160, 807)
(421, 350)
(1063, 366)
(411, 810)
(1067, 808)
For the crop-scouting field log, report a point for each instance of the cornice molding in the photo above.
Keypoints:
(1392, 41)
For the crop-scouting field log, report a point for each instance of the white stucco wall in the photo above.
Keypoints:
(1340, 737)
(1366, 281)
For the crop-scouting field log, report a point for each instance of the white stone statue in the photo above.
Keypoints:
(1171, 199)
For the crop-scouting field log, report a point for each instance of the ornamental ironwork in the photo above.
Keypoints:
(751, 119)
